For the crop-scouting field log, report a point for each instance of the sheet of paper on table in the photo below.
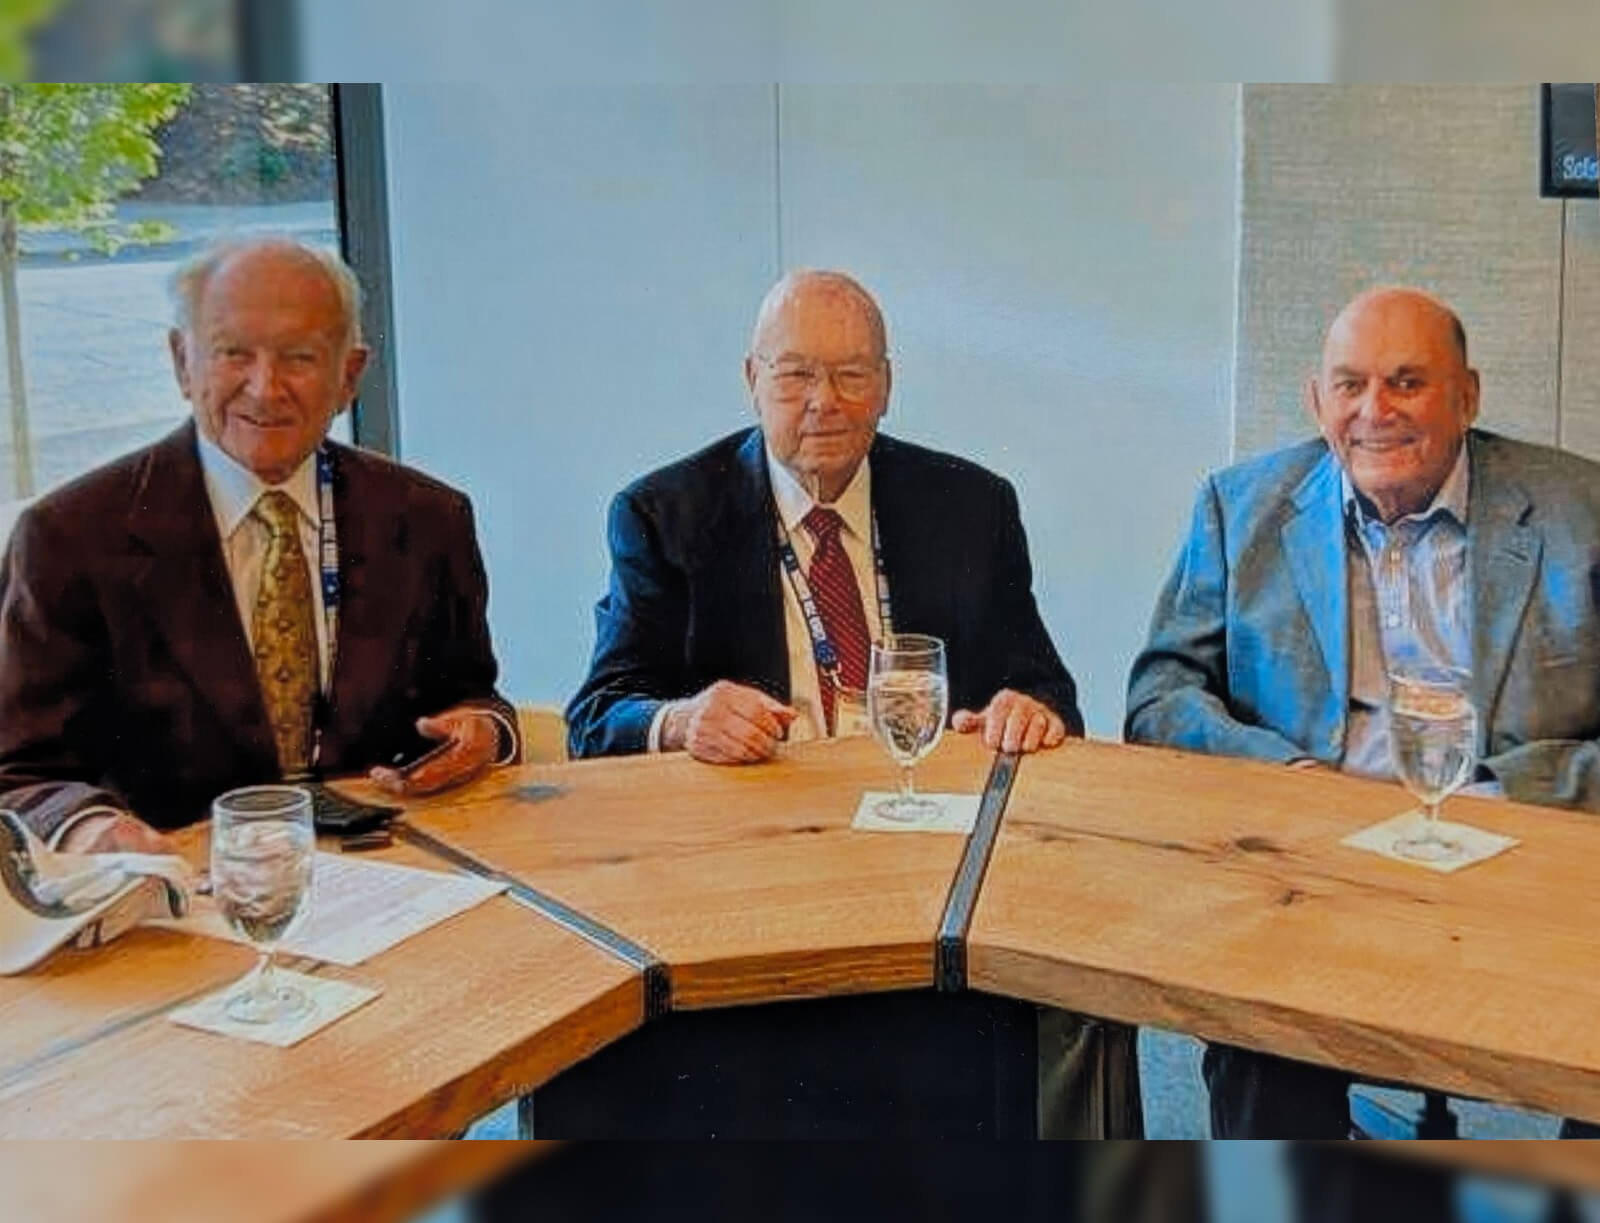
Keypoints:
(360, 907)
(957, 813)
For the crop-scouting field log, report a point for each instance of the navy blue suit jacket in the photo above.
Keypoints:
(696, 589)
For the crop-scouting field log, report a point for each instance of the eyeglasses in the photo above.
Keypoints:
(796, 379)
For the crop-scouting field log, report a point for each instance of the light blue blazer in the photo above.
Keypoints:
(1249, 647)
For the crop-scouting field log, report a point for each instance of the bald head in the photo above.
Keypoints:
(1394, 397)
(807, 289)
(243, 256)
(1402, 299)
(819, 377)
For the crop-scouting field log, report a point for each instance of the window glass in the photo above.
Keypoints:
(88, 375)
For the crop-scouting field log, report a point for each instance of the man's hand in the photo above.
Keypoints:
(726, 723)
(1013, 722)
(472, 738)
(114, 832)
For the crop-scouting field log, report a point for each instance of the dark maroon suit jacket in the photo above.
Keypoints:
(125, 674)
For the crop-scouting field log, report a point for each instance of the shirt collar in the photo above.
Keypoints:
(234, 489)
(794, 502)
(1451, 499)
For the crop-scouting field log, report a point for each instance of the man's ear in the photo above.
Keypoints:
(1311, 395)
(888, 385)
(180, 359)
(750, 378)
(355, 361)
(1472, 390)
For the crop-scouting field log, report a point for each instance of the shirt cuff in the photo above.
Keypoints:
(508, 735)
(652, 741)
(76, 818)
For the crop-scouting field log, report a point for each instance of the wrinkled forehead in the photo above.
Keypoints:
(291, 291)
(1387, 333)
(820, 318)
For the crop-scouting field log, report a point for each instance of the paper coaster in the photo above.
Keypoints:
(1476, 844)
(957, 813)
(330, 1001)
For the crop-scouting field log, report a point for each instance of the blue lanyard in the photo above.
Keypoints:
(328, 555)
(827, 657)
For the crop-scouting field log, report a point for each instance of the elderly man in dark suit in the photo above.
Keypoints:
(244, 600)
(702, 642)
(705, 641)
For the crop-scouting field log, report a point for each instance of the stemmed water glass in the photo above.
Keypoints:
(1433, 733)
(908, 699)
(262, 847)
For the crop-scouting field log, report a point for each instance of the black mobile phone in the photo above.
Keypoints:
(336, 815)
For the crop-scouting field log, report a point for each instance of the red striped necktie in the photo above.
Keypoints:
(838, 598)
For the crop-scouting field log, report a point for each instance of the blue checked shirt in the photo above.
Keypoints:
(1410, 602)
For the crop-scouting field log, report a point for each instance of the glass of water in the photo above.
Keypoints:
(908, 699)
(262, 844)
(1433, 733)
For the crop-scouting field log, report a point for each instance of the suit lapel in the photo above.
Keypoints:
(742, 558)
(1314, 545)
(375, 580)
(181, 581)
(896, 496)
(1503, 558)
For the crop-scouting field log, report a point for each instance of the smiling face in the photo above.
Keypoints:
(1395, 397)
(266, 361)
(819, 378)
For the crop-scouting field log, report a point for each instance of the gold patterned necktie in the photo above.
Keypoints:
(284, 633)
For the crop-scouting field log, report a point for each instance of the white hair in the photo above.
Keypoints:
(189, 279)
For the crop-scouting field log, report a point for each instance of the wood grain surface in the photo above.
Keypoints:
(1212, 896)
(473, 1012)
(244, 1182)
(748, 882)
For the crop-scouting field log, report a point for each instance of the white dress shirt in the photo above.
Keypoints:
(234, 490)
(793, 504)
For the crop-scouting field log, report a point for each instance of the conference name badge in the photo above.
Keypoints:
(850, 713)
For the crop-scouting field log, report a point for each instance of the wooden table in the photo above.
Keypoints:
(1206, 895)
(1212, 896)
(472, 1013)
(243, 1182)
(747, 882)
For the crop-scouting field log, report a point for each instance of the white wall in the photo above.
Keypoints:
(837, 41)
(576, 269)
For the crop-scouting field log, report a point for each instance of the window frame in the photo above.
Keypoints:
(362, 191)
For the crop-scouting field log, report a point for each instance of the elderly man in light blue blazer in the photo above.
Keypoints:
(1402, 534)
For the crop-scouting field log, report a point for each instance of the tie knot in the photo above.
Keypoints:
(823, 523)
(277, 509)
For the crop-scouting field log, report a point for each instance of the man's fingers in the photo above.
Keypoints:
(1056, 735)
(1033, 733)
(728, 743)
(964, 721)
(437, 727)
(1016, 724)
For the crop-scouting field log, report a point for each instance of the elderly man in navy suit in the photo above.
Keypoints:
(704, 644)
(1401, 534)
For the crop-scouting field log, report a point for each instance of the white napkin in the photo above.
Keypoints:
(330, 1001)
(1476, 844)
(957, 813)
